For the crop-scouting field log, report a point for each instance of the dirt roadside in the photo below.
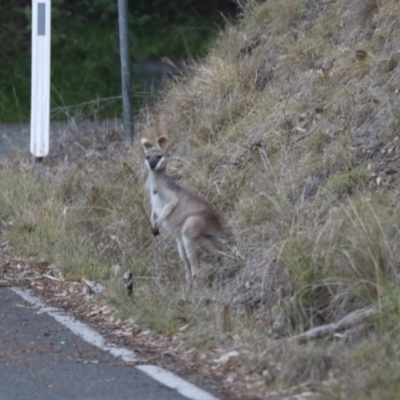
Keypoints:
(77, 300)
(74, 142)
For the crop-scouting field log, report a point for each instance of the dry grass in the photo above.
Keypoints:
(290, 126)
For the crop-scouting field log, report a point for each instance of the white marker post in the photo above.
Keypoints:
(40, 89)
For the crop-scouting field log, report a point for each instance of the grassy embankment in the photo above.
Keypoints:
(290, 126)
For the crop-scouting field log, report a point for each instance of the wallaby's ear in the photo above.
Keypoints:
(146, 144)
(162, 142)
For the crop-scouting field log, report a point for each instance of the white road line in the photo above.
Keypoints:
(88, 334)
(173, 381)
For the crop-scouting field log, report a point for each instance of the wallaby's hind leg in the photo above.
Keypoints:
(185, 259)
(192, 243)
(211, 246)
(193, 255)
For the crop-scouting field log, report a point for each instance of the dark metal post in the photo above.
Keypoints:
(125, 71)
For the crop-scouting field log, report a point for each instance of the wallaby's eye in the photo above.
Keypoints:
(147, 158)
(159, 157)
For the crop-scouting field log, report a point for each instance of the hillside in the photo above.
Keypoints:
(290, 127)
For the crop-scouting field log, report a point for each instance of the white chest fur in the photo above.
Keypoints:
(157, 203)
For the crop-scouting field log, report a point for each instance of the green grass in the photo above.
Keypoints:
(85, 66)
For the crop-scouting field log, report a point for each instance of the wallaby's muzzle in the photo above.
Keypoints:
(153, 163)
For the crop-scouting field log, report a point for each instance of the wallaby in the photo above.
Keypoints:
(196, 224)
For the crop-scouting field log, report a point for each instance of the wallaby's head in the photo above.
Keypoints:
(155, 154)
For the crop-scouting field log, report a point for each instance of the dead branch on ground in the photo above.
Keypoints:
(349, 321)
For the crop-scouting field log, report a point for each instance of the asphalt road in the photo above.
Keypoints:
(147, 77)
(15, 137)
(42, 359)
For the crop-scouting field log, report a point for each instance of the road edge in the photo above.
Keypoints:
(91, 336)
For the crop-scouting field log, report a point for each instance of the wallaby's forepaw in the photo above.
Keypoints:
(155, 231)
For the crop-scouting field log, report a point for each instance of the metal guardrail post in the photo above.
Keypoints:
(125, 71)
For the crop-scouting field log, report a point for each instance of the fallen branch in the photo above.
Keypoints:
(50, 277)
(349, 321)
(93, 287)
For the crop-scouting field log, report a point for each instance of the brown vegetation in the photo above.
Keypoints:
(290, 126)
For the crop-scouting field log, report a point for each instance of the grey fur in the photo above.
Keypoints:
(195, 223)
